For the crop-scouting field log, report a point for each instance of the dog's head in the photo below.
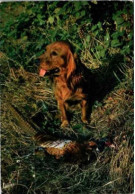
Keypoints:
(57, 57)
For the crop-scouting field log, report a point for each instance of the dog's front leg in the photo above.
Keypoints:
(62, 108)
(84, 105)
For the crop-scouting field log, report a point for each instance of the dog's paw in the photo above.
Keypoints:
(65, 123)
(84, 120)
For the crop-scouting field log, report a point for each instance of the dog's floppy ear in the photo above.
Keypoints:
(71, 66)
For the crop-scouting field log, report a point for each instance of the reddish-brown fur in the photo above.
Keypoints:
(71, 82)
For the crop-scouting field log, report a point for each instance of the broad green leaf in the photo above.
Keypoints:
(51, 20)
(107, 37)
(82, 13)
(24, 38)
(99, 47)
(99, 24)
(94, 27)
(77, 15)
(57, 10)
(88, 38)
(115, 43)
(77, 6)
(119, 20)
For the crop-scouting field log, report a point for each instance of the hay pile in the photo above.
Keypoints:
(25, 90)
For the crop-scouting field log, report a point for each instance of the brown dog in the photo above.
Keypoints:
(72, 80)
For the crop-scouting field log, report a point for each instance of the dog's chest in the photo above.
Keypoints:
(63, 92)
(61, 89)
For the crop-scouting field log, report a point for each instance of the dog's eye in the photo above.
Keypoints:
(54, 53)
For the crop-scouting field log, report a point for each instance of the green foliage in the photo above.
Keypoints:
(88, 26)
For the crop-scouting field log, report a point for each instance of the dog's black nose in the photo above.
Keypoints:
(37, 61)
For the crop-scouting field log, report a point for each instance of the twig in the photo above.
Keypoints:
(111, 182)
